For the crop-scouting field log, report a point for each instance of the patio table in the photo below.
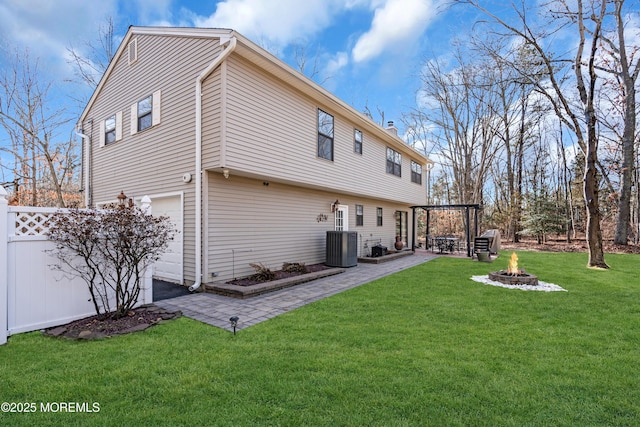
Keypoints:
(447, 244)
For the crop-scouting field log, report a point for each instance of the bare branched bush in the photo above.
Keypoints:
(295, 267)
(110, 250)
(263, 273)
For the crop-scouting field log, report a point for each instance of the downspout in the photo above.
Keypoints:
(231, 46)
(87, 163)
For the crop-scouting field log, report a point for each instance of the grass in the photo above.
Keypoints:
(426, 346)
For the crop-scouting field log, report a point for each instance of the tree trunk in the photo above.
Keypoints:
(628, 148)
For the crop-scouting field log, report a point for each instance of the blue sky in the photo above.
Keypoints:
(368, 51)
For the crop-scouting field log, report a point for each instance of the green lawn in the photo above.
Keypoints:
(426, 346)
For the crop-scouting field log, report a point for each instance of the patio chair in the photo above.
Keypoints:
(480, 244)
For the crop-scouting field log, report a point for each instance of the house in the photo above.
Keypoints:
(253, 161)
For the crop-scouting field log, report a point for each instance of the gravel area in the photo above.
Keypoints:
(541, 286)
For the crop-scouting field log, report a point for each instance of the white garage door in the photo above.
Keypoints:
(169, 266)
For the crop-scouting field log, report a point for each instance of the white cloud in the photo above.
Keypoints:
(395, 22)
(153, 12)
(339, 61)
(277, 22)
(48, 28)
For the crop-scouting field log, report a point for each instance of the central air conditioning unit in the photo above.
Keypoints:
(342, 248)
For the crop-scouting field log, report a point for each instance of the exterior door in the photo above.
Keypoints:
(169, 266)
(342, 218)
(402, 228)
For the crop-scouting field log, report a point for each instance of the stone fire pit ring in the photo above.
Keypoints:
(520, 278)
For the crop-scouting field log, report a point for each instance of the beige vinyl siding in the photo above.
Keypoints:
(152, 161)
(272, 132)
(250, 222)
(211, 120)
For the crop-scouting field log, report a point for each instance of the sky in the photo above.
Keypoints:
(368, 52)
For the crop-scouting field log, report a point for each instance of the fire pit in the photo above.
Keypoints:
(513, 275)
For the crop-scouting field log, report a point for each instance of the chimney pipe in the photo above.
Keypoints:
(391, 128)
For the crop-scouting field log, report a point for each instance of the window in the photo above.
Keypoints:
(146, 113)
(416, 172)
(111, 129)
(394, 162)
(359, 215)
(325, 135)
(357, 141)
(145, 107)
(379, 217)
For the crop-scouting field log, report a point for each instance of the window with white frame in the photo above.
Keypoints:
(359, 215)
(394, 162)
(325, 135)
(146, 112)
(111, 129)
(357, 141)
(145, 108)
(416, 172)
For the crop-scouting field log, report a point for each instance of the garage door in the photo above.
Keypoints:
(169, 266)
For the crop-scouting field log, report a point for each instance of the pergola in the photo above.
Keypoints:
(467, 209)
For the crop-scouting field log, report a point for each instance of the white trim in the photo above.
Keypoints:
(102, 130)
(134, 119)
(156, 104)
(118, 126)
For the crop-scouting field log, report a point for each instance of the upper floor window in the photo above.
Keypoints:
(145, 107)
(146, 113)
(416, 172)
(359, 215)
(357, 141)
(111, 129)
(379, 217)
(325, 135)
(394, 162)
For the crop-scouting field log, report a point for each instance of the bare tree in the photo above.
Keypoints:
(624, 67)
(588, 23)
(92, 61)
(27, 116)
(458, 107)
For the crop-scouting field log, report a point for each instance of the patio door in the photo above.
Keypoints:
(342, 218)
(402, 228)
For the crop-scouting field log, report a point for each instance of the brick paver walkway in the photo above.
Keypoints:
(217, 309)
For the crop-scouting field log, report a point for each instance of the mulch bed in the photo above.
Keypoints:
(96, 327)
(578, 245)
(250, 281)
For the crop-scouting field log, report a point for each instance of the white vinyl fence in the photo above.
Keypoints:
(32, 295)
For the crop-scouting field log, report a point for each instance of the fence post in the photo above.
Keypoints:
(4, 271)
(147, 281)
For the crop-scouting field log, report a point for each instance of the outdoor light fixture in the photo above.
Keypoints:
(334, 205)
(234, 323)
(225, 173)
(121, 199)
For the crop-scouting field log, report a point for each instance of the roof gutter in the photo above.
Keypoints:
(231, 46)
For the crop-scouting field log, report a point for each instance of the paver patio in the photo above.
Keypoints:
(217, 309)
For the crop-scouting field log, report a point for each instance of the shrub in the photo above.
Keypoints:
(263, 273)
(109, 249)
(295, 267)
